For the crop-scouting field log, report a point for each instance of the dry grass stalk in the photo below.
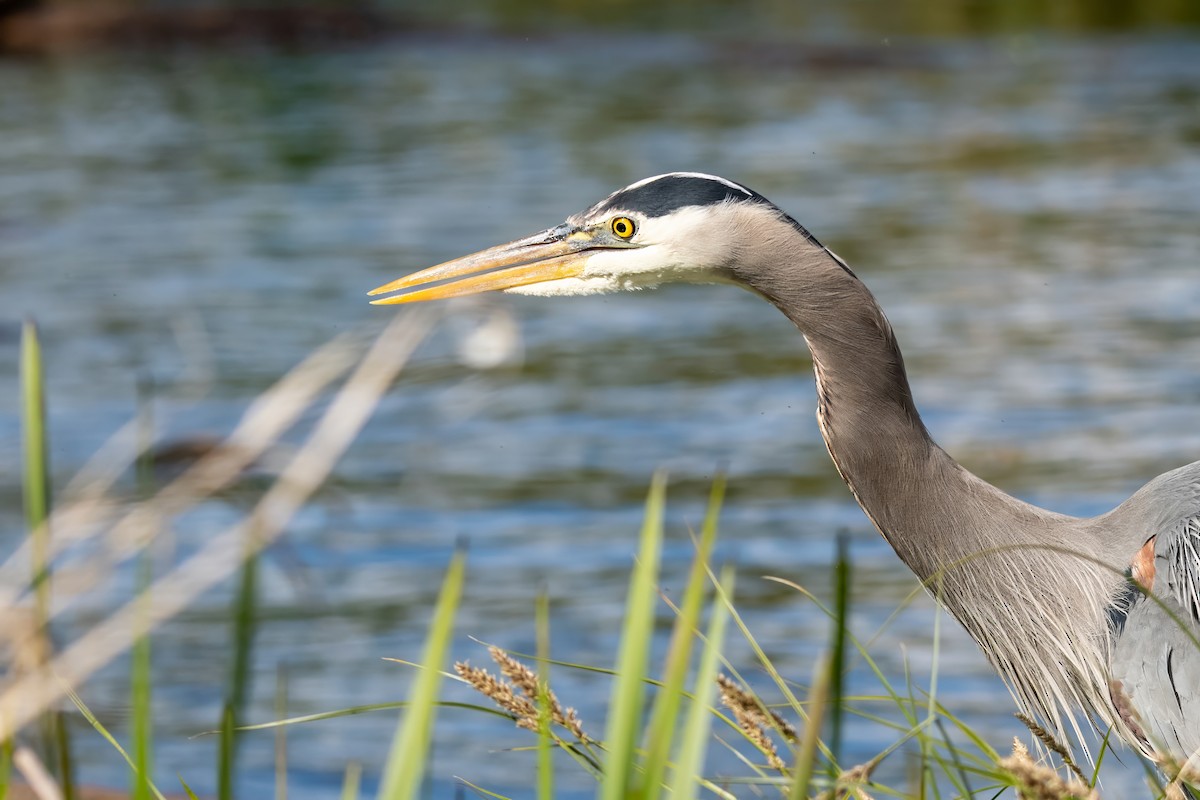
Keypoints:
(36, 775)
(501, 693)
(850, 783)
(521, 676)
(1052, 744)
(523, 705)
(92, 513)
(89, 512)
(754, 718)
(1040, 782)
(29, 696)
(785, 728)
(1174, 791)
(1182, 775)
(527, 681)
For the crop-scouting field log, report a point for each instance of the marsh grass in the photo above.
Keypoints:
(665, 723)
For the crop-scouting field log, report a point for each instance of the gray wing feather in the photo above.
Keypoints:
(1156, 679)
(1156, 658)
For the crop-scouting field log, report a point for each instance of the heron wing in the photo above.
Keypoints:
(1155, 667)
(1155, 684)
(1156, 658)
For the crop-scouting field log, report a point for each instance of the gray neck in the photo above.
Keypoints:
(991, 559)
(927, 506)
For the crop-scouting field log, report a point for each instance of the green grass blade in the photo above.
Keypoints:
(140, 699)
(140, 675)
(238, 693)
(628, 693)
(931, 713)
(37, 465)
(243, 636)
(36, 491)
(837, 666)
(689, 761)
(62, 750)
(281, 706)
(6, 753)
(664, 717)
(410, 748)
(1105, 747)
(95, 723)
(546, 744)
(187, 789)
(479, 790)
(806, 750)
(784, 686)
(355, 710)
(955, 770)
(351, 781)
(225, 753)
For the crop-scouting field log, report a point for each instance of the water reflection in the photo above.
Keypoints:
(1024, 211)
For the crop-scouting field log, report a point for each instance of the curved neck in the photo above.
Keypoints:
(994, 561)
(931, 510)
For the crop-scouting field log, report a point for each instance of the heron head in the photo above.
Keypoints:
(678, 227)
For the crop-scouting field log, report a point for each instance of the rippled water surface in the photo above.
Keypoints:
(1025, 208)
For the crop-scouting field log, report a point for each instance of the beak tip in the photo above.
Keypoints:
(542, 257)
(387, 288)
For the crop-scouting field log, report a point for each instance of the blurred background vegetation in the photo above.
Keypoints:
(55, 24)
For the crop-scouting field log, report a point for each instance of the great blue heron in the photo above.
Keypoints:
(1048, 597)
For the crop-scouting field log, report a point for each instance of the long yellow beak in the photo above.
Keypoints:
(550, 255)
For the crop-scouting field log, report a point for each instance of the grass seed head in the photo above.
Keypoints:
(752, 718)
(1037, 781)
(500, 692)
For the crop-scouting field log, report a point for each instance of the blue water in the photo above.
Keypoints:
(1024, 207)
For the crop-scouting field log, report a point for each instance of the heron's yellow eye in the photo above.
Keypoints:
(623, 227)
